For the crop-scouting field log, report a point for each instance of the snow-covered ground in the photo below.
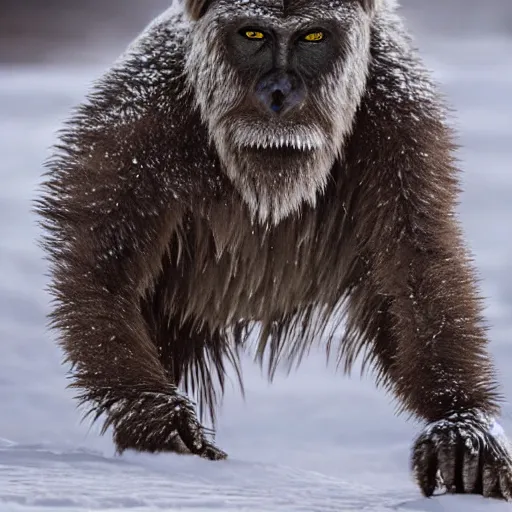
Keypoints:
(314, 440)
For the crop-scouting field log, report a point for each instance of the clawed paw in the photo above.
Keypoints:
(158, 422)
(464, 453)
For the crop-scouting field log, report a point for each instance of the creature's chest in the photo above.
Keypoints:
(232, 270)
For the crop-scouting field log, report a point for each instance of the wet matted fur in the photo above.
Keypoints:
(181, 216)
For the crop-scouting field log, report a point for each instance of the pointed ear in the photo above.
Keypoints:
(196, 8)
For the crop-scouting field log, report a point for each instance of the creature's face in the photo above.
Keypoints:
(278, 84)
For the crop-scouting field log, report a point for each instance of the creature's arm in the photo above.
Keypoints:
(431, 326)
(436, 359)
(113, 199)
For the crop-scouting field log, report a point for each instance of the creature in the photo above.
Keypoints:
(283, 164)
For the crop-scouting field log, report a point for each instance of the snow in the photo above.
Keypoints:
(312, 441)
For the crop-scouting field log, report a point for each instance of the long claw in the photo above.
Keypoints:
(447, 460)
(470, 466)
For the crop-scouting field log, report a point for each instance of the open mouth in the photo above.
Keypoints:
(283, 143)
(279, 139)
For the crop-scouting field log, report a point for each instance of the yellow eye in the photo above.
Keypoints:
(254, 34)
(314, 36)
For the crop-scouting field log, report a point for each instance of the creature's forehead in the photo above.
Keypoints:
(282, 8)
(265, 6)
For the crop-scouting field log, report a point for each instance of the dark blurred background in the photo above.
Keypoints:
(56, 30)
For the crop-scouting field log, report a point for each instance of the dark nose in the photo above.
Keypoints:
(280, 92)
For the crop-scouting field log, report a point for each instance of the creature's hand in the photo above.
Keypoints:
(158, 422)
(464, 453)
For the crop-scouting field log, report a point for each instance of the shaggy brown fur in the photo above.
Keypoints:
(159, 273)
